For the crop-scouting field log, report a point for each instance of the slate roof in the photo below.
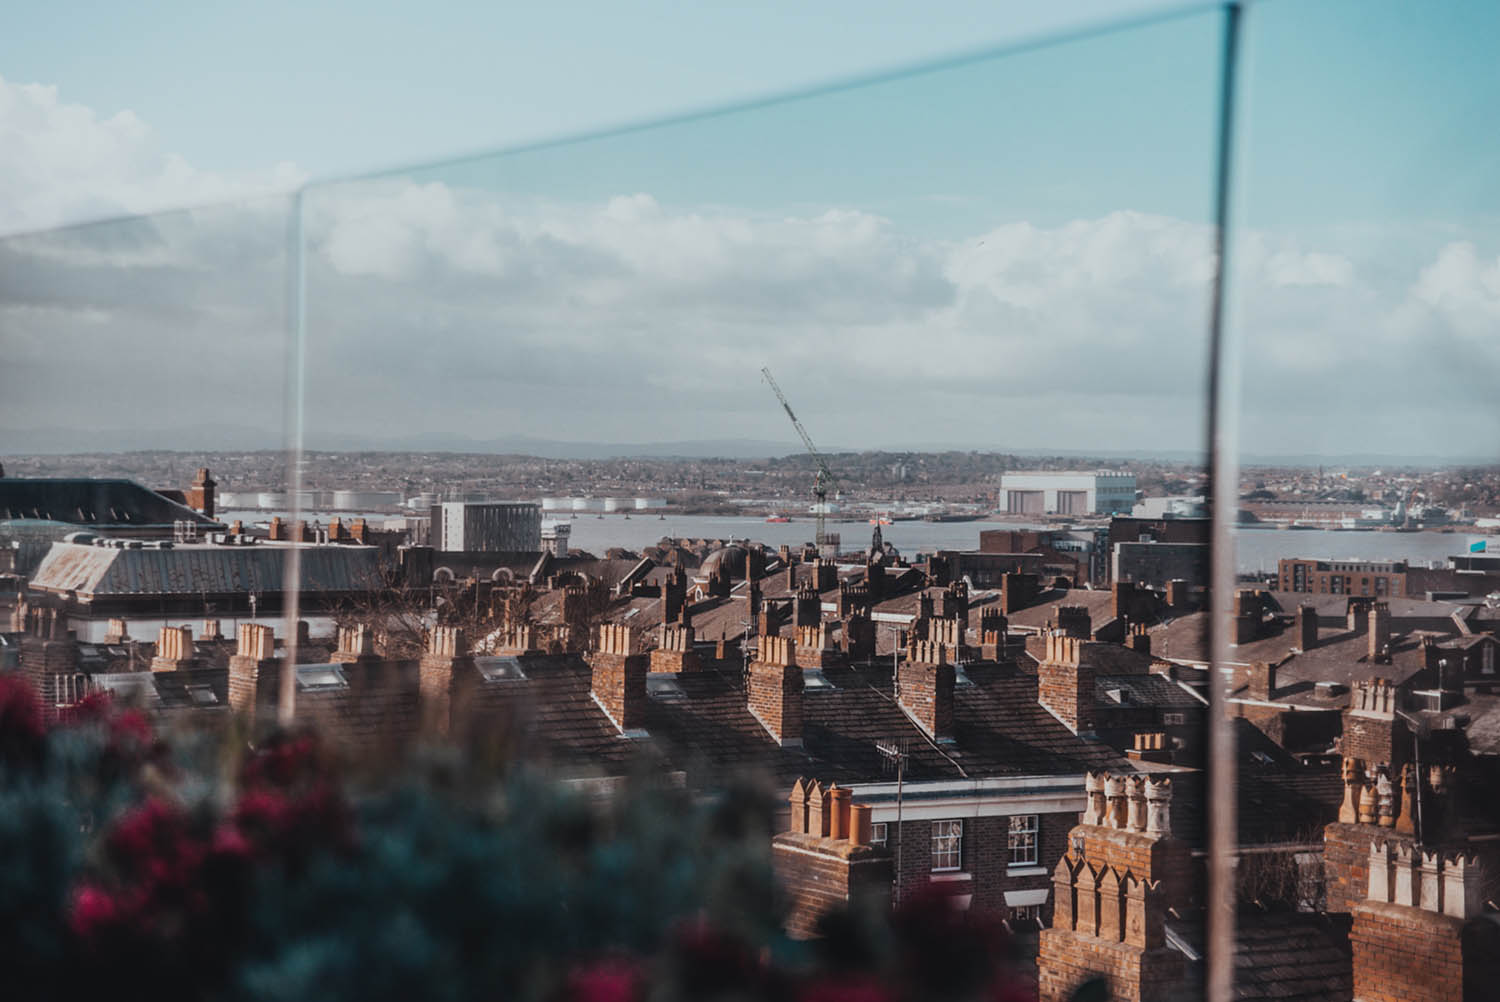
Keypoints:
(707, 730)
(195, 570)
(1295, 957)
(99, 504)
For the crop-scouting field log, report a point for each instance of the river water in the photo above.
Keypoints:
(1258, 549)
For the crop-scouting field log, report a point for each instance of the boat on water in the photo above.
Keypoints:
(881, 520)
(777, 518)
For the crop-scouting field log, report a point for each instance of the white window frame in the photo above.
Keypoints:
(880, 832)
(947, 846)
(1173, 719)
(1024, 837)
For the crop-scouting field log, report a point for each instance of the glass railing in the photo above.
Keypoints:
(938, 379)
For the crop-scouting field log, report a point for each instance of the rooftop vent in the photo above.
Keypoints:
(1330, 688)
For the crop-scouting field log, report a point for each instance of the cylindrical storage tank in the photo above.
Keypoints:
(364, 500)
(555, 504)
(612, 504)
(227, 500)
(582, 504)
(646, 503)
(424, 500)
(270, 499)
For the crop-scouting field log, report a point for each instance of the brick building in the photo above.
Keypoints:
(1376, 579)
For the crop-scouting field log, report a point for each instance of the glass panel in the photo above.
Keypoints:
(1367, 286)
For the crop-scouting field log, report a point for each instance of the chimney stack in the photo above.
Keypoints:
(200, 497)
(1380, 632)
(356, 644)
(445, 675)
(1074, 621)
(174, 649)
(1262, 680)
(775, 689)
(1307, 627)
(619, 679)
(1065, 682)
(924, 688)
(254, 672)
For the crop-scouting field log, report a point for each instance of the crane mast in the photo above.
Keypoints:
(822, 477)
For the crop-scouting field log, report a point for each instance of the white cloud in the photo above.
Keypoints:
(62, 163)
(433, 307)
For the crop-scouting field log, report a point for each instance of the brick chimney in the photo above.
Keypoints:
(174, 649)
(1122, 599)
(825, 861)
(1074, 621)
(117, 632)
(355, 644)
(1357, 615)
(993, 628)
(211, 631)
(446, 677)
(1065, 682)
(1246, 615)
(924, 688)
(1111, 894)
(49, 657)
(254, 672)
(774, 689)
(200, 497)
(674, 651)
(1411, 937)
(1262, 680)
(619, 679)
(1307, 627)
(1179, 596)
(1380, 632)
(825, 574)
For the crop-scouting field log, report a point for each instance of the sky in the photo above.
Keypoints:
(1001, 252)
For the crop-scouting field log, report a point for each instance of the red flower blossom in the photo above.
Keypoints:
(608, 981)
(853, 988)
(93, 911)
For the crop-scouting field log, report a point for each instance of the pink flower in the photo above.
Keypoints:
(608, 981)
(93, 910)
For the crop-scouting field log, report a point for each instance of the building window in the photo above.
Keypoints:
(1173, 719)
(878, 833)
(1023, 832)
(947, 845)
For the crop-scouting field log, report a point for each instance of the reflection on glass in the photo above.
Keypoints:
(1364, 282)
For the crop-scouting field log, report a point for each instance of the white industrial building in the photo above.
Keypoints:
(1067, 493)
(491, 527)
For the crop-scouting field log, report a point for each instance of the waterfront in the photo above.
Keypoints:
(1258, 549)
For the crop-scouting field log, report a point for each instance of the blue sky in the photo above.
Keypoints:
(1013, 247)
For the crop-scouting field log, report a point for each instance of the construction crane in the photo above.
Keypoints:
(823, 477)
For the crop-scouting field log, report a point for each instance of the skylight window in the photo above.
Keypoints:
(314, 677)
(664, 685)
(500, 669)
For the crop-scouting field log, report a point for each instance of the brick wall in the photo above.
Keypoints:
(1404, 954)
(1375, 740)
(1067, 960)
(986, 859)
(821, 875)
(1346, 861)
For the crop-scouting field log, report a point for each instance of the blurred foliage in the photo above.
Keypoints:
(193, 866)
